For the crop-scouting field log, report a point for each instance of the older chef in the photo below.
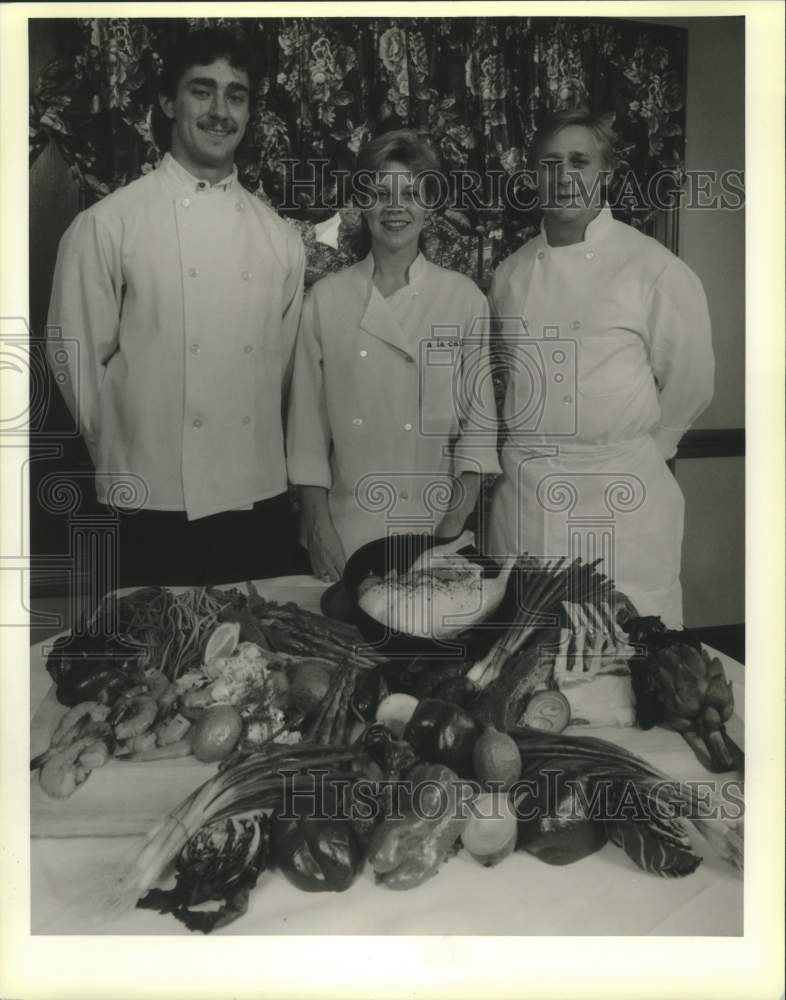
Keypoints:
(184, 293)
(607, 336)
(391, 420)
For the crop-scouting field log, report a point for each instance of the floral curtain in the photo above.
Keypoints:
(477, 87)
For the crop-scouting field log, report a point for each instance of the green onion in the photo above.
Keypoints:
(253, 783)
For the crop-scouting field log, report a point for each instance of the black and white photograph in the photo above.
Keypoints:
(381, 475)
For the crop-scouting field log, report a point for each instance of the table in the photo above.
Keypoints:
(605, 894)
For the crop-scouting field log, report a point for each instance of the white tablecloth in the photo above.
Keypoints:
(605, 894)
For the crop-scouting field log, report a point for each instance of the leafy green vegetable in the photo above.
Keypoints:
(222, 861)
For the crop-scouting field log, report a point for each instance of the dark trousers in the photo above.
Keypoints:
(165, 548)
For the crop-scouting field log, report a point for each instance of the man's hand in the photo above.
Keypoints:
(325, 548)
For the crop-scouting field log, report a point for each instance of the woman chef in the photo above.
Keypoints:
(391, 419)
(609, 357)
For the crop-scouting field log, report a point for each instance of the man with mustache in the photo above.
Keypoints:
(184, 292)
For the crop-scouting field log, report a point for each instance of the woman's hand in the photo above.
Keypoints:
(450, 526)
(465, 495)
(325, 548)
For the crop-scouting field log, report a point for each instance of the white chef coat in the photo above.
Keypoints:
(613, 364)
(184, 299)
(390, 398)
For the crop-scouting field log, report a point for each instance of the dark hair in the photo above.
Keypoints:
(599, 125)
(198, 48)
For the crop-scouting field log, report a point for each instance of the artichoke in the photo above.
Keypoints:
(679, 684)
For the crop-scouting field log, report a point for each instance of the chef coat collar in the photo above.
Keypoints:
(183, 179)
(417, 268)
(379, 318)
(595, 231)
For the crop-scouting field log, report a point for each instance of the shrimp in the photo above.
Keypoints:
(85, 721)
(137, 744)
(96, 755)
(158, 684)
(63, 773)
(197, 698)
(91, 709)
(172, 730)
(135, 717)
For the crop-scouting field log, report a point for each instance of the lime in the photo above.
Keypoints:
(496, 758)
(215, 734)
(223, 641)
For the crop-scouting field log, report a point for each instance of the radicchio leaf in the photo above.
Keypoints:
(222, 862)
(657, 845)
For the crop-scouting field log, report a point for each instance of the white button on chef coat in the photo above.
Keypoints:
(345, 319)
(136, 396)
(643, 368)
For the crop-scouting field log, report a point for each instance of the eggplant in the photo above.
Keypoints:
(314, 842)
(441, 732)
(370, 689)
(553, 823)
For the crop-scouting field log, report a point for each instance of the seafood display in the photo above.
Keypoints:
(153, 692)
(330, 758)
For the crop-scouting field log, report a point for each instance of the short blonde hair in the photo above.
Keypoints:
(599, 125)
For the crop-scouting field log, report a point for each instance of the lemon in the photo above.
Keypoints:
(496, 758)
(223, 641)
(215, 734)
(491, 833)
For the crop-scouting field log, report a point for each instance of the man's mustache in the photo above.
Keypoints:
(222, 123)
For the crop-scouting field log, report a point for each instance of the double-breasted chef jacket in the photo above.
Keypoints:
(184, 300)
(391, 398)
(610, 359)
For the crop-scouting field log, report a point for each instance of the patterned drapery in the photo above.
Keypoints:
(478, 87)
